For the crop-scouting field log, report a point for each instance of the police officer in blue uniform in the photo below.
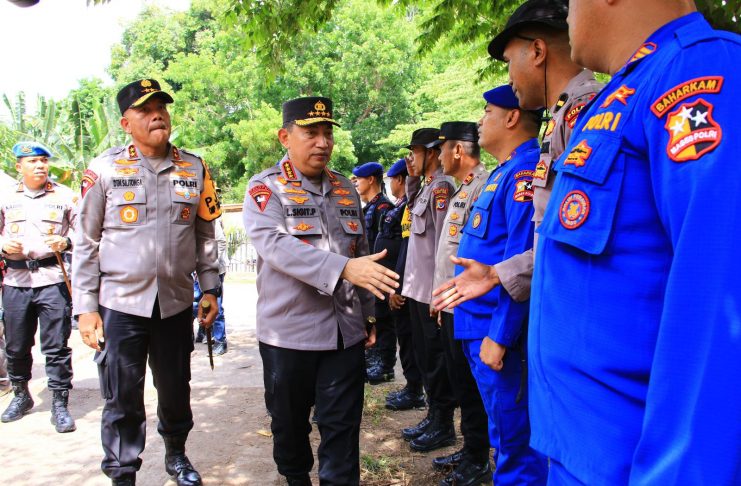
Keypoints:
(634, 333)
(491, 326)
(394, 237)
(381, 358)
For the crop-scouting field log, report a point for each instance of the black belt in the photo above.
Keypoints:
(33, 265)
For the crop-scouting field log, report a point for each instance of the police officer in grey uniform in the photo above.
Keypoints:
(146, 223)
(535, 45)
(37, 216)
(460, 158)
(315, 288)
(428, 207)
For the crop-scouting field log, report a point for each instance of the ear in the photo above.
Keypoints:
(125, 124)
(458, 151)
(283, 137)
(540, 52)
(18, 165)
(513, 118)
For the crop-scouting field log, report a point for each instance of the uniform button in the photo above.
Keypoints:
(326, 285)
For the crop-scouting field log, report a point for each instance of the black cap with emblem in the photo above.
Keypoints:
(551, 13)
(307, 111)
(137, 93)
(459, 131)
(424, 137)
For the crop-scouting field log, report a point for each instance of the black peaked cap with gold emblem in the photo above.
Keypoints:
(458, 131)
(137, 93)
(308, 111)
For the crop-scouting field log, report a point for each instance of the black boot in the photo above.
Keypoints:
(469, 473)
(380, 374)
(298, 480)
(411, 433)
(405, 399)
(440, 433)
(128, 480)
(21, 403)
(444, 462)
(60, 416)
(177, 464)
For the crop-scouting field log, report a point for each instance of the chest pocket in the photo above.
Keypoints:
(419, 215)
(15, 222)
(185, 195)
(352, 226)
(584, 201)
(478, 220)
(130, 206)
(53, 219)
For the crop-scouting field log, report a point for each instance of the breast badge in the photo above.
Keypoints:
(129, 214)
(129, 196)
(476, 222)
(185, 214)
(352, 225)
(574, 210)
(303, 227)
(345, 202)
(299, 199)
(621, 94)
(579, 154)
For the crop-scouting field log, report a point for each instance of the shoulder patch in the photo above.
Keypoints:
(89, 178)
(573, 113)
(692, 131)
(621, 94)
(579, 154)
(523, 190)
(665, 102)
(261, 195)
(524, 173)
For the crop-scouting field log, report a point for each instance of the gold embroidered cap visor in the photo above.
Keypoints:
(308, 111)
(137, 93)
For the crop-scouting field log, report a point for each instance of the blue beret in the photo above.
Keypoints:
(504, 97)
(399, 168)
(368, 169)
(30, 149)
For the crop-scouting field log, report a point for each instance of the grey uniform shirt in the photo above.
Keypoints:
(30, 216)
(516, 273)
(459, 209)
(305, 233)
(142, 233)
(428, 210)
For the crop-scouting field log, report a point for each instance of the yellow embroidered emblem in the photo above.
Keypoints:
(129, 214)
(129, 196)
(294, 191)
(345, 202)
(146, 83)
(298, 199)
(303, 227)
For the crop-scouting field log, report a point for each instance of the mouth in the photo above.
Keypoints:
(158, 126)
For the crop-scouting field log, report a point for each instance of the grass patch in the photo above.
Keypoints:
(374, 403)
(384, 470)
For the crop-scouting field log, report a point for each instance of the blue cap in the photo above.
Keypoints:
(504, 97)
(30, 149)
(368, 169)
(399, 168)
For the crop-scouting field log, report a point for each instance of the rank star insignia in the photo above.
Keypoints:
(692, 131)
(132, 152)
(261, 195)
(574, 210)
(468, 179)
(345, 202)
(579, 154)
(299, 199)
(621, 94)
(303, 227)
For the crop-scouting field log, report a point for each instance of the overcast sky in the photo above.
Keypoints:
(47, 48)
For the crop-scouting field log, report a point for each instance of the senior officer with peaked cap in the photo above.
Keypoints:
(381, 358)
(146, 223)
(37, 217)
(315, 288)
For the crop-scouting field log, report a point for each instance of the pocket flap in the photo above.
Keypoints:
(590, 159)
(132, 195)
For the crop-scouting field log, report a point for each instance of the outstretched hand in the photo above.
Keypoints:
(366, 273)
(475, 280)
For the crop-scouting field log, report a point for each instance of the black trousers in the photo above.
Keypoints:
(332, 382)
(474, 421)
(428, 351)
(403, 325)
(386, 340)
(48, 307)
(129, 340)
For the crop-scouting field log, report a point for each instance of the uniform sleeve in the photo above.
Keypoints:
(207, 255)
(440, 201)
(70, 224)
(221, 244)
(412, 186)
(85, 257)
(3, 239)
(509, 315)
(264, 225)
(692, 425)
(516, 275)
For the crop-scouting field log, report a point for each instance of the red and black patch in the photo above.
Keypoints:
(132, 153)
(667, 101)
(523, 190)
(441, 198)
(579, 154)
(574, 210)
(89, 178)
(573, 114)
(692, 131)
(621, 94)
(176, 154)
(468, 179)
(261, 195)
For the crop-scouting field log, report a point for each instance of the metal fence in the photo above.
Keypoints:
(242, 255)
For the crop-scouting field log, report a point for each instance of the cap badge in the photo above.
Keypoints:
(146, 83)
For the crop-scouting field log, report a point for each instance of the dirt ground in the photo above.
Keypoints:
(230, 443)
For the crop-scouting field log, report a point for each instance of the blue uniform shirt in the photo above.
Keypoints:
(499, 226)
(635, 329)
